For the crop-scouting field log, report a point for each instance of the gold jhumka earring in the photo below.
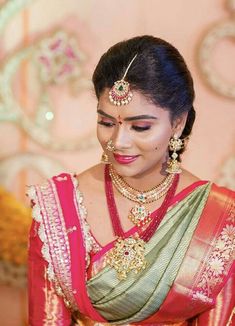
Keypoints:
(104, 158)
(173, 165)
(120, 93)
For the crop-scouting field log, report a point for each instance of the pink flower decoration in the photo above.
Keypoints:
(59, 59)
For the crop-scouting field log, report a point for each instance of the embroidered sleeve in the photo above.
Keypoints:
(45, 306)
(54, 242)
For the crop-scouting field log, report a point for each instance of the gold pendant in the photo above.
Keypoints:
(139, 215)
(127, 255)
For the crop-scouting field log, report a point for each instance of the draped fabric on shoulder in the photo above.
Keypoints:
(190, 259)
(208, 267)
(164, 254)
(57, 212)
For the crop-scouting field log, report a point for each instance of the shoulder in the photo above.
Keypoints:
(95, 173)
(219, 209)
(64, 184)
(186, 179)
(63, 176)
(93, 176)
(223, 190)
(224, 196)
(49, 189)
(220, 195)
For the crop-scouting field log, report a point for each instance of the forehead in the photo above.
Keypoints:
(139, 105)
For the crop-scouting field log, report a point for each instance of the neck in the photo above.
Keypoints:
(147, 179)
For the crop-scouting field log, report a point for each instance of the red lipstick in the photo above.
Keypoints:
(125, 159)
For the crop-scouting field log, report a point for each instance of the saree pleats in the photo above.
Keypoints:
(139, 296)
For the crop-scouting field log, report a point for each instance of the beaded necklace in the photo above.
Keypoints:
(139, 214)
(129, 253)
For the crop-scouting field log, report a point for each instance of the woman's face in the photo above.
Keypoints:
(140, 132)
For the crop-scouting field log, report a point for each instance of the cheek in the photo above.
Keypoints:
(157, 140)
(103, 135)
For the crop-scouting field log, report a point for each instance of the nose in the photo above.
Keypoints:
(122, 139)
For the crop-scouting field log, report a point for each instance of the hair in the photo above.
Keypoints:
(159, 72)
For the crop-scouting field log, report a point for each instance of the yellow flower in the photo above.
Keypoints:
(15, 220)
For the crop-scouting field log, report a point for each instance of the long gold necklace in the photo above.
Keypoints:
(139, 214)
(128, 253)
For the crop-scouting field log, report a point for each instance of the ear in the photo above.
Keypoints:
(179, 124)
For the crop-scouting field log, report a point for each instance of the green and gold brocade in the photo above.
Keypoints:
(140, 295)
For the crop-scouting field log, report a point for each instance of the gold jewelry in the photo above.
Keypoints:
(127, 255)
(110, 146)
(173, 165)
(104, 158)
(139, 214)
(120, 93)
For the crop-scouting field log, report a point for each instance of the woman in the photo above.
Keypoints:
(137, 240)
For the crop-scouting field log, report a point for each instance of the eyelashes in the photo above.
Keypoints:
(106, 124)
(138, 128)
(134, 127)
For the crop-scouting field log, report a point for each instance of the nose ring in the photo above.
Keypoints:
(110, 146)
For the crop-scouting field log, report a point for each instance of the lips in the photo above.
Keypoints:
(125, 159)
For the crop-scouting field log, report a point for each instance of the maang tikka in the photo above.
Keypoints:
(120, 93)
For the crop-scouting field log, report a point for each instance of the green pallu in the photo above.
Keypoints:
(140, 295)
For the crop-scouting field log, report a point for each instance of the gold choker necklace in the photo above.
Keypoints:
(139, 214)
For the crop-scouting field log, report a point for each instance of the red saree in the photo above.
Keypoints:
(67, 265)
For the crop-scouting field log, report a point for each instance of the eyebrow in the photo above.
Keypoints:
(138, 117)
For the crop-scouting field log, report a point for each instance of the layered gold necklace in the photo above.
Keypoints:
(139, 214)
(128, 252)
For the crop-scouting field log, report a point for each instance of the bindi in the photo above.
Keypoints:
(119, 120)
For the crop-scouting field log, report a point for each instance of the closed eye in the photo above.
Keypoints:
(139, 129)
(106, 124)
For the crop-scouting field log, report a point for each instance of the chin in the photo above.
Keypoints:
(127, 170)
(134, 171)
